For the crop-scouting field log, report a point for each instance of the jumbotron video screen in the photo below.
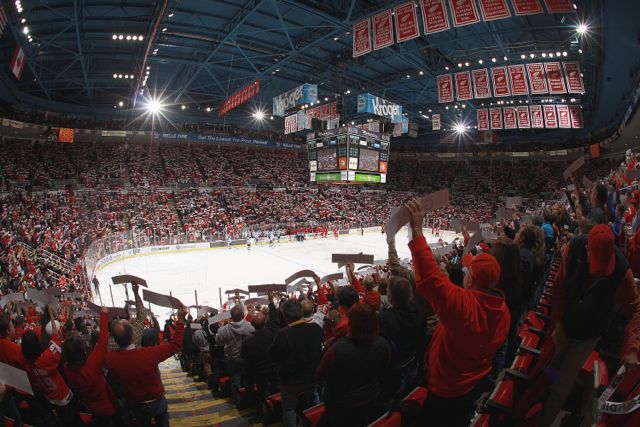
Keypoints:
(348, 155)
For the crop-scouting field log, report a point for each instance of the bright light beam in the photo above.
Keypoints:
(154, 106)
(259, 115)
(459, 128)
(582, 29)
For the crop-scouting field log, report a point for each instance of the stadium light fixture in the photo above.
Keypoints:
(184, 107)
(259, 115)
(154, 106)
(120, 104)
(493, 59)
(582, 29)
(460, 128)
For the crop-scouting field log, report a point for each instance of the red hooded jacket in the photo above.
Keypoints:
(472, 326)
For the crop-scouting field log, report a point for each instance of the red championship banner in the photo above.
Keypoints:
(406, 22)
(361, 37)
(240, 97)
(382, 30)
(559, 6)
(510, 118)
(536, 79)
(464, 12)
(66, 135)
(574, 78)
(481, 88)
(550, 118)
(524, 121)
(500, 82)
(564, 121)
(494, 9)
(495, 116)
(434, 16)
(576, 116)
(527, 7)
(482, 115)
(594, 151)
(518, 80)
(463, 86)
(536, 116)
(554, 76)
(445, 88)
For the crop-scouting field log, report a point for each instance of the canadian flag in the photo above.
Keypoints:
(487, 136)
(17, 63)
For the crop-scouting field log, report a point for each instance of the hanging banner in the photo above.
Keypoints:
(17, 63)
(510, 118)
(495, 115)
(524, 121)
(240, 97)
(303, 94)
(368, 103)
(564, 121)
(463, 86)
(481, 87)
(293, 123)
(500, 82)
(361, 37)
(435, 122)
(536, 116)
(382, 30)
(287, 125)
(464, 12)
(536, 79)
(554, 76)
(559, 6)
(574, 78)
(494, 9)
(66, 135)
(406, 22)
(445, 88)
(527, 7)
(576, 116)
(518, 80)
(550, 118)
(594, 151)
(482, 115)
(434, 16)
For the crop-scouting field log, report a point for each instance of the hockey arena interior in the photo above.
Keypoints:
(319, 213)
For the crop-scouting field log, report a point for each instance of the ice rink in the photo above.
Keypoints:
(208, 270)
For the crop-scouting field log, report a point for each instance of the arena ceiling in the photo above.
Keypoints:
(198, 52)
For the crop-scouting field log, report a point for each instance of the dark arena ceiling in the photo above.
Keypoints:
(193, 54)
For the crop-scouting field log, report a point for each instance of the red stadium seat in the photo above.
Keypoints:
(314, 414)
(389, 419)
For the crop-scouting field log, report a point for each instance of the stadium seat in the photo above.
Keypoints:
(313, 415)
(389, 419)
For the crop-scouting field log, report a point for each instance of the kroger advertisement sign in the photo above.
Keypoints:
(304, 94)
(368, 103)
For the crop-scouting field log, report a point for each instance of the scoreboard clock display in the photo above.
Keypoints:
(348, 154)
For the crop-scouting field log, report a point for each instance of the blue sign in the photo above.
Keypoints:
(368, 103)
(304, 94)
(226, 139)
(405, 125)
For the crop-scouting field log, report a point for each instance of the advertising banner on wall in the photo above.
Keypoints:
(434, 16)
(574, 77)
(482, 115)
(500, 82)
(302, 94)
(382, 30)
(445, 88)
(481, 88)
(524, 121)
(495, 117)
(494, 9)
(537, 79)
(368, 103)
(518, 80)
(537, 120)
(406, 22)
(555, 78)
(463, 86)
(464, 12)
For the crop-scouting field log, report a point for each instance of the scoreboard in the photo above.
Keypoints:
(348, 154)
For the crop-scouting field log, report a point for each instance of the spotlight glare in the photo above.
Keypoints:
(120, 104)
(154, 106)
(459, 128)
(120, 37)
(582, 29)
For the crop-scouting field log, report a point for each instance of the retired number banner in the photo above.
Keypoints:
(434, 16)
(559, 6)
(527, 7)
(536, 79)
(550, 118)
(494, 9)
(510, 118)
(537, 120)
(495, 115)
(576, 116)
(500, 82)
(564, 121)
(482, 115)
(361, 37)
(523, 117)
(518, 80)
(554, 76)
(445, 88)
(481, 88)
(382, 30)
(406, 22)
(463, 86)
(435, 121)
(574, 78)
(464, 12)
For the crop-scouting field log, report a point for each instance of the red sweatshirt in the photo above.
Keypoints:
(11, 354)
(45, 376)
(472, 326)
(137, 369)
(88, 380)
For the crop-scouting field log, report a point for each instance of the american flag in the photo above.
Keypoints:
(4, 19)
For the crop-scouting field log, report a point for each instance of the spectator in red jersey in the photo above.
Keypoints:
(11, 354)
(347, 296)
(85, 376)
(473, 325)
(136, 370)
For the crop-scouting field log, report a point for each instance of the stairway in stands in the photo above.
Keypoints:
(191, 404)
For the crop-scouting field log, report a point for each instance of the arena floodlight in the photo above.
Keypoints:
(459, 128)
(154, 106)
(582, 29)
(259, 115)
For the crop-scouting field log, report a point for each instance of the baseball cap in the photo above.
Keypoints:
(601, 247)
(485, 271)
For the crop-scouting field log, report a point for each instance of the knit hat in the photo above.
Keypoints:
(601, 247)
(485, 271)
